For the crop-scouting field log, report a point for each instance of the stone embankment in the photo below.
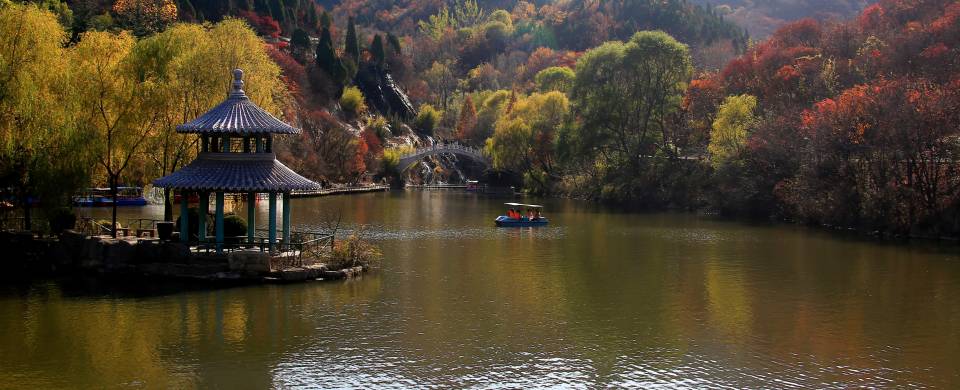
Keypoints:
(71, 252)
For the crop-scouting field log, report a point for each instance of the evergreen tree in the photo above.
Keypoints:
(327, 59)
(352, 44)
(326, 20)
(312, 18)
(261, 7)
(376, 49)
(394, 42)
(276, 10)
(299, 43)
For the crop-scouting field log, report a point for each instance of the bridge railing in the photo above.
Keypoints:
(445, 147)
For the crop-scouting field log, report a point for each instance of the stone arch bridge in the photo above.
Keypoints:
(407, 160)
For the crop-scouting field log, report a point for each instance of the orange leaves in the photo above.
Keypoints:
(787, 73)
(935, 50)
(871, 17)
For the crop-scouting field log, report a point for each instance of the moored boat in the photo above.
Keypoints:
(529, 217)
(100, 197)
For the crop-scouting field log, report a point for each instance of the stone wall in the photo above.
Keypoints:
(26, 254)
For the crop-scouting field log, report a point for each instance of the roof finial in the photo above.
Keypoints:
(237, 81)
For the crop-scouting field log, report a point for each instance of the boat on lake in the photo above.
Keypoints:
(530, 215)
(100, 197)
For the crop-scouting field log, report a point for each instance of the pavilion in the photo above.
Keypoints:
(236, 156)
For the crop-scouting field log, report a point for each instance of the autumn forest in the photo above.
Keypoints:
(847, 118)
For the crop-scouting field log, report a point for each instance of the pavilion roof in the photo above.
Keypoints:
(236, 172)
(237, 115)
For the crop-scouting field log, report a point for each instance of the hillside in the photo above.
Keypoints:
(858, 120)
(762, 17)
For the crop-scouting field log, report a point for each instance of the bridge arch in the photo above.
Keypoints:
(407, 160)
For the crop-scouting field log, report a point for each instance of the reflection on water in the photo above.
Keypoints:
(600, 299)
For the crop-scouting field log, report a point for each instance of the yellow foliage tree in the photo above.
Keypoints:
(186, 70)
(145, 17)
(728, 136)
(524, 139)
(41, 153)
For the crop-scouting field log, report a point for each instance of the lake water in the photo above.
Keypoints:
(597, 299)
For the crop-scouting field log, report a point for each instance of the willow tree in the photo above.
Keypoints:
(184, 71)
(525, 138)
(41, 153)
(111, 103)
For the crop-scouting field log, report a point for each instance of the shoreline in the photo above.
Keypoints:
(72, 253)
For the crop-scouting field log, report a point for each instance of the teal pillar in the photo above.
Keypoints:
(219, 221)
(251, 216)
(204, 210)
(226, 144)
(259, 145)
(272, 215)
(184, 218)
(286, 219)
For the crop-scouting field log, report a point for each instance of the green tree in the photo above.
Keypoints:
(299, 43)
(525, 139)
(493, 107)
(437, 25)
(377, 50)
(442, 82)
(276, 11)
(352, 43)
(427, 119)
(326, 20)
(352, 101)
(467, 13)
(733, 124)
(394, 43)
(624, 93)
(328, 61)
(555, 78)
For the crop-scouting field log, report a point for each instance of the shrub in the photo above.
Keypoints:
(427, 119)
(354, 251)
(62, 219)
(352, 101)
(396, 125)
(234, 226)
(380, 127)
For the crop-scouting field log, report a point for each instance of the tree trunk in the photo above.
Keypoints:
(167, 206)
(27, 225)
(113, 193)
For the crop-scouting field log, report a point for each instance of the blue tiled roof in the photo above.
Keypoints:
(237, 115)
(236, 172)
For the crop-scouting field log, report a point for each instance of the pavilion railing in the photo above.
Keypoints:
(302, 245)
